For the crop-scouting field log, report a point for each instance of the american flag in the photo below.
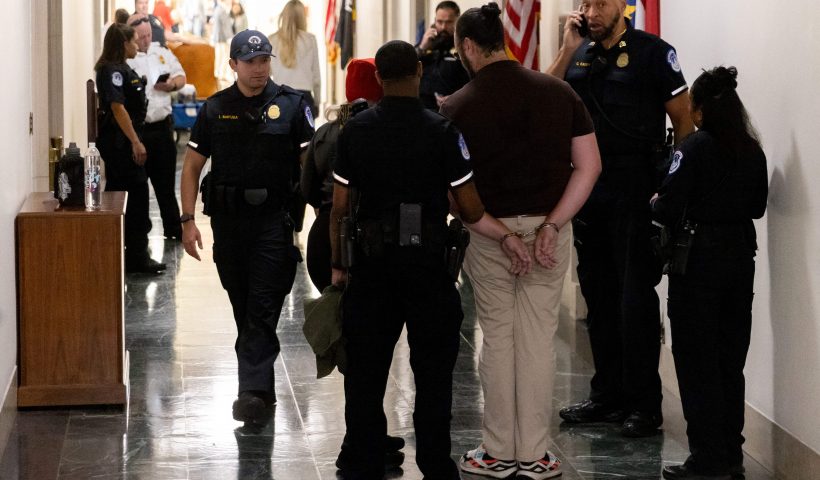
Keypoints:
(645, 15)
(330, 22)
(521, 31)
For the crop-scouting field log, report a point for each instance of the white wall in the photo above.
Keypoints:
(79, 56)
(776, 55)
(15, 96)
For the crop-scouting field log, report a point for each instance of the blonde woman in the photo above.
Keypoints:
(296, 63)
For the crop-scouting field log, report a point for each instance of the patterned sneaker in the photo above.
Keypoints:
(547, 467)
(480, 462)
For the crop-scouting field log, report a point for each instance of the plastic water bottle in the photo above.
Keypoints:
(93, 198)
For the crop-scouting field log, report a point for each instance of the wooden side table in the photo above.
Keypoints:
(70, 290)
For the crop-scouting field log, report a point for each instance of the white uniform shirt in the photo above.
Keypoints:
(305, 74)
(151, 65)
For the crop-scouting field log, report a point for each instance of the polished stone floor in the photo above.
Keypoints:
(178, 425)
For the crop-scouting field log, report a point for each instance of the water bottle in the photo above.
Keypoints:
(93, 199)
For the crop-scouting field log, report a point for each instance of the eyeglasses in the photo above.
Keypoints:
(250, 48)
(139, 21)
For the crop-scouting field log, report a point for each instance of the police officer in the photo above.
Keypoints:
(629, 81)
(717, 184)
(443, 73)
(122, 114)
(401, 160)
(152, 62)
(252, 131)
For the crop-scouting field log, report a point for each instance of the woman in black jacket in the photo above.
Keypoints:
(717, 184)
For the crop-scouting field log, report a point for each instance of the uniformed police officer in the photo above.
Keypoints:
(442, 72)
(629, 81)
(252, 131)
(401, 160)
(122, 114)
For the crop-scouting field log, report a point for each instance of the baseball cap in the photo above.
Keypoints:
(248, 44)
(361, 80)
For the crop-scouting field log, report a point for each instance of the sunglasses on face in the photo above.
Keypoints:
(139, 21)
(250, 48)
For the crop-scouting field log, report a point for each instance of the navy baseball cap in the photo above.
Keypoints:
(248, 44)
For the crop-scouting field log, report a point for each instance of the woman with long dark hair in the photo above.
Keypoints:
(122, 114)
(717, 184)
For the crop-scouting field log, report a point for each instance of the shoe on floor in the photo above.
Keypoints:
(393, 444)
(640, 424)
(346, 463)
(251, 409)
(147, 265)
(589, 411)
(547, 467)
(684, 472)
(479, 462)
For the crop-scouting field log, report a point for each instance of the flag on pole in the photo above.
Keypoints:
(330, 32)
(645, 15)
(345, 30)
(520, 19)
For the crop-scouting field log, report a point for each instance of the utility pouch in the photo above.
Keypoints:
(347, 242)
(458, 238)
(207, 194)
(255, 196)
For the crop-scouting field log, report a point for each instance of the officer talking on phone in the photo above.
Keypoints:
(442, 72)
(629, 81)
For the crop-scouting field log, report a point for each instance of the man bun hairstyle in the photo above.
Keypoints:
(482, 26)
(714, 92)
(396, 59)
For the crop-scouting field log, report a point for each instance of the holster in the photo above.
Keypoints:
(673, 246)
(458, 238)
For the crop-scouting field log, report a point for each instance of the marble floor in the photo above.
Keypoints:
(178, 425)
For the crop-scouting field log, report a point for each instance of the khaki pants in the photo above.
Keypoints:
(518, 318)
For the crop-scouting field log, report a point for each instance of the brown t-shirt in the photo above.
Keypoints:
(518, 125)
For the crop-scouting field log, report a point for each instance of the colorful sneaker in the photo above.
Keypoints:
(547, 467)
(480, 462)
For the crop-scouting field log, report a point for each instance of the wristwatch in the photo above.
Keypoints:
(185, 217)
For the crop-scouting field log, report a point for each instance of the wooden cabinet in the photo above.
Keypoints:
(70, 290)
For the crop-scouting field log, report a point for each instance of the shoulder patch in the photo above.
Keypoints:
(676, 159)
(672, 60)
(116, 79)
(463, 146)
(309, 117)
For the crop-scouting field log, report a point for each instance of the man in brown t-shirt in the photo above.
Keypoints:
(535, 161)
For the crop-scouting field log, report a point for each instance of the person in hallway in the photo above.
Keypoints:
(717, 184)
(252, 131)
(240, 19)
(443, 73)
(402, 160)
(629, 81)
(535, 160)
(221, 33)
(157, 28)
(296, 60)
(152, 63)
(317, 173)
(122, 115)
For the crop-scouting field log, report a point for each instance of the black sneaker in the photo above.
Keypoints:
(251, 409)
(346, 463)
(589, 411)
(145, 266)
(393, 444)
(640, 424)
(684, 472)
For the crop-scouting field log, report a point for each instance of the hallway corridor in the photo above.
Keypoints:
(180, 334)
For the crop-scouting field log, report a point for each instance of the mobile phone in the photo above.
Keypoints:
(583, 29)
(163, 78)
(409, 224)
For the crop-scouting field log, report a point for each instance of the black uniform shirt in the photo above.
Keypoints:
(631, 82)
(442, 73)
(399, 152)
(119, 83)
(253, 142)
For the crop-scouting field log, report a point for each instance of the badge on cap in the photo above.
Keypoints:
(623, 60)
(254, 40)
(273, 112)
(672, 59)
(675, 162)
(309, 117)
(116, 79)
(162, 59)
(463, 146)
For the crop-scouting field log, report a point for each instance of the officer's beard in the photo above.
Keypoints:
(444, 41)
(608, 30)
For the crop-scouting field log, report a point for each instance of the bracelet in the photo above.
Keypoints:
(549, 224)
(508, 235)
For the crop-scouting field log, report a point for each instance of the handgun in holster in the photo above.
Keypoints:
(207, 194)
(347, 241)
(458, 238)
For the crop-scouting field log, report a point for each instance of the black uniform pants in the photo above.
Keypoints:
(710, 309)
(379, 301)
(318, 250)
(256, 262)
(618, 274)
(123, 175)
(161, 166)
